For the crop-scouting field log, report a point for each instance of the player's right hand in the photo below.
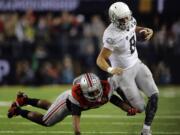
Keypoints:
(116, 71)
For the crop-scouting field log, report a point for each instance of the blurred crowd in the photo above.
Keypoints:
(49, 48)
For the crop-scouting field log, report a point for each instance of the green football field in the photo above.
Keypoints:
(107, 120)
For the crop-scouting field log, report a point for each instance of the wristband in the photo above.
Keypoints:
(109, 69)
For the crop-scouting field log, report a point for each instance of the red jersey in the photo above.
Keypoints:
(84, 103)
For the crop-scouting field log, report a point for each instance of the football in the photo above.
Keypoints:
(141, 34)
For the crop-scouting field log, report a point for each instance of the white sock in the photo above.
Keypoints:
(146, 127)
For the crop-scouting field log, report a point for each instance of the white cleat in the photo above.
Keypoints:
(146, 132)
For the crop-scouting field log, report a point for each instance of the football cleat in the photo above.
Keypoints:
(13, 110)
(146, 132)
(21, 99)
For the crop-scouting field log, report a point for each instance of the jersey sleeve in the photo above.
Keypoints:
(108, 41)
(75, 109)
(74, 101)
(108, 88)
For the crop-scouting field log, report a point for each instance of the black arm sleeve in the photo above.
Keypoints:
(75, 109)
(119, 103)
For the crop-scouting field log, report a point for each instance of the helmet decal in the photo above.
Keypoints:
(89, 80)
(91, 86)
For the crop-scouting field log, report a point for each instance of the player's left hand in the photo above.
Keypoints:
(148, 33)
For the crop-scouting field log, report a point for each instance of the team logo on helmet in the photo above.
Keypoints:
(91, 87)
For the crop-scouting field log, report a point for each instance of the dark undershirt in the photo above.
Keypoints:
(73, 108)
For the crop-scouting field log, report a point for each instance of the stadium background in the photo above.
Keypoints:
(43, 42)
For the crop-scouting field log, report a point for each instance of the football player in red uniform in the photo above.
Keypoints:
(87, 92)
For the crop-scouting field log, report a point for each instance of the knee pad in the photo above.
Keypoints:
(152, 103)
(151, 108)
(154, 99)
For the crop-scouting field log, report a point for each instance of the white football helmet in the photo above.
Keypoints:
(91, 87)
(120, 15)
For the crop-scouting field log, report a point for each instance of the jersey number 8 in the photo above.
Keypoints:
(132, 42)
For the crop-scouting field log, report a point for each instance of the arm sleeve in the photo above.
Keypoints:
(76, 110)
(119, 103)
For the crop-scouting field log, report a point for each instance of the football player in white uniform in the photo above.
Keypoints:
(87, 92)
(129, 74)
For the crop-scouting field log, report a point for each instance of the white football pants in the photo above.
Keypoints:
(133, 80)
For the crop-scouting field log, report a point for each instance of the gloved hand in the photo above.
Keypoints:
(132, 112)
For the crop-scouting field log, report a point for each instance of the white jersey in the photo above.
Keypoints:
(122, 44)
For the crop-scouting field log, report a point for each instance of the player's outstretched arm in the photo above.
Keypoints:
(103, 64)
(76, 113)
(76, 124)
(102, 59)
(123, 105)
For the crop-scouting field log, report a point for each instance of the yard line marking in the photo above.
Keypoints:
(118, 116)
(93, 132)
(89, 123)
(5, 103)
(128, 117)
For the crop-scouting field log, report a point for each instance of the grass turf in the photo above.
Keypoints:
(108, 119)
